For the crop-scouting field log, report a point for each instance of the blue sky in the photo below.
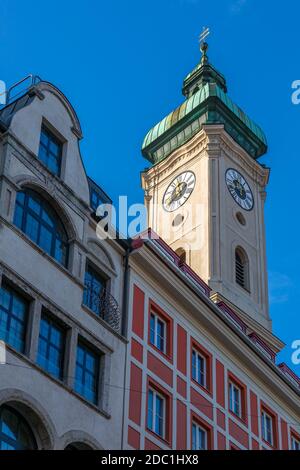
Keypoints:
(121, 64)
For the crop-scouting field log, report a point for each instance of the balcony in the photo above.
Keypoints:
(105, 306)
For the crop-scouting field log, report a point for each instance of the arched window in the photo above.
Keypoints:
(36, 218)
(242, 269)
(15, 433)
(78, 446)
(182, 254)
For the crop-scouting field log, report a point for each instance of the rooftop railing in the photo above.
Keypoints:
(19, 88)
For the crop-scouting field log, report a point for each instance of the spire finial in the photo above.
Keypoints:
(204, 45)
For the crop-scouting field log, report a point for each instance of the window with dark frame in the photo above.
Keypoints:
(95, 285)
(96, 200)
(87, 373)
(267, 425)
(35, 217)
(295, 443)
(15, 432)
(199, 368)
(199, 437)
(50, 354)
(97, 195)
(158, 331)
(50, 151)
(13, 317)
(235, 399)
(156, 419)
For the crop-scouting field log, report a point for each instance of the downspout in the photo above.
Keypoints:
(132, 245)
(125, 292)
(126, 286)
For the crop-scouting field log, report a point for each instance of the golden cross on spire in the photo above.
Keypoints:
(203, 44)
(203, 35)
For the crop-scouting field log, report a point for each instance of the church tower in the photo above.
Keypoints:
(205, 192)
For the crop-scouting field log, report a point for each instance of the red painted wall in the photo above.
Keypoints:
(133, 438)
(181, 427)
(137, 350)
(238, 433)
(135, 398)
(254, 413)
(220, 381)
(177, 385)
(138, 312)
(200, 402)
(160, 369)
(181, 349)
(221, 441)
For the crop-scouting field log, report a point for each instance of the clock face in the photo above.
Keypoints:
(239, 189)
(179, 191)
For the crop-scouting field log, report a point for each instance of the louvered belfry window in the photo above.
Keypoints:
(242, 269)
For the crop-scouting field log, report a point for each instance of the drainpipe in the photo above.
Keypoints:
(133, 244)
(126, 285)
(125, 292)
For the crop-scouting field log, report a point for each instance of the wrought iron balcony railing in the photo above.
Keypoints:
(105, 306)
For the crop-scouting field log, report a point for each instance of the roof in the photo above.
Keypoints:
(195, 106)
(8, 112)
(25, 98)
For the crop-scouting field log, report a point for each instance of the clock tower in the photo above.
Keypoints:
(205, 193)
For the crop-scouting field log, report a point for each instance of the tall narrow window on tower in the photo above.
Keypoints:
(182, 255)
(242, 269)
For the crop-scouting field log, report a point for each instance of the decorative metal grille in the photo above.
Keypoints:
(107, 308)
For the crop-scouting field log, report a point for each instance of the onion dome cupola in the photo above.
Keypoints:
(202, 74)
(207, 102)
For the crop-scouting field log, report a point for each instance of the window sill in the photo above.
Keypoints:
(161, 353)
(43, 253)
(208, 391)
(159, 438)
(273, 447)
(103, 322)
(243, 289)
(241, 420)
(32, 365)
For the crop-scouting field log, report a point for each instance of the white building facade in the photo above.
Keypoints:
(61, 288)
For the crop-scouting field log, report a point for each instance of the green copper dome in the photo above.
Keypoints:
(206, 103)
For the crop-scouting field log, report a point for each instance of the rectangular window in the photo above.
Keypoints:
(156, 413)
(235, 399)
(199, 368)
(158, 332)
(96, 200)
(97, 195)
(13, 318)
(50, 151)
(87, 373)
(295, 444)
(199, 437)
(94, 286)
(267, 428)
(51, 347)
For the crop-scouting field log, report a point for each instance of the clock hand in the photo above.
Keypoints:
(173, 195)
(169, 200)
